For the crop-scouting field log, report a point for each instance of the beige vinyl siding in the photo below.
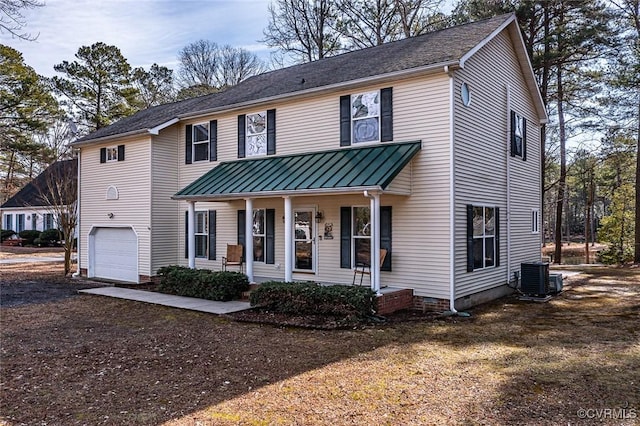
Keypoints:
(165, 234)
(481, 152)
(420, 221)
(132, 179)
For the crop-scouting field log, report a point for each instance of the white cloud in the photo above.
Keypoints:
(146, 31)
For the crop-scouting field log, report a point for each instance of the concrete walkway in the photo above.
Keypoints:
(181, 302)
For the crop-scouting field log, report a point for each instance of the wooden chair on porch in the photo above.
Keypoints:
(233, 257)
(364, 268)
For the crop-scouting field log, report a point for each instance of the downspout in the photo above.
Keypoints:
(78, 229)
(452, 198)
(508, 155)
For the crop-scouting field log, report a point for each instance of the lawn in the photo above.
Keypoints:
(93, 360)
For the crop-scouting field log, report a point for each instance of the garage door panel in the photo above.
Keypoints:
(115, 254)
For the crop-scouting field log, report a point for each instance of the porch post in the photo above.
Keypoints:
(288, 240)
(248, 231)
(375, 240)
(191, 234)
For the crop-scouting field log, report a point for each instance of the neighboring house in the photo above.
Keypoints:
(27, 209)
(428, 147)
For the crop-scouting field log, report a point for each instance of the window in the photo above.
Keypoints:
(535, 221)
(482, 234)
(201, 142)
(518, 135)
(202, 234)
(112, 154)
(263, 230)
(34, 221)
(258, 235)
(361, 235)
(365, 117)
(355, 236)
(465, 94)
(256, 143)
(20, 222)
(47, 221)
(8, 221)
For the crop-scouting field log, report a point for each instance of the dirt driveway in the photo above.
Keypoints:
(88, 360)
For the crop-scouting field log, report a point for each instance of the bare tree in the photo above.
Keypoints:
(198, 64)
(58, 192)
(304, 29)
(205, 67)
(368, 23)
(12, 20)
(237, 64)
(154, 87)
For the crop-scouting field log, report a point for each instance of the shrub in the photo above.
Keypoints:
(202, 283)
(311, 298)
(6, 234)
(50, 237)
(29, 235)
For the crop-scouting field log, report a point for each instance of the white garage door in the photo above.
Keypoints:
(115, 253)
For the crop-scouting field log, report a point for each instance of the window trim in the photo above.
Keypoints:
(471, 238)
(354, 258)
(45, 222)
(378, 117)
(518, 124)
(249, 134)
(535, 221)
(204, 234)
(195, 142)
(111, 154)
(8, 221)
(263, 235)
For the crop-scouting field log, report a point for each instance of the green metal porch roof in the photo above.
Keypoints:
(343, 170)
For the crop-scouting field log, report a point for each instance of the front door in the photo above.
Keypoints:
(304, 239)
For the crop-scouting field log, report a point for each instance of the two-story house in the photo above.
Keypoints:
(426, 147)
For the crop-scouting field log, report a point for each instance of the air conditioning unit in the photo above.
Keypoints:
(535, 278)
(555, 283)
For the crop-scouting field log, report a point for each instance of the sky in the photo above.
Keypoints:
(145, 31)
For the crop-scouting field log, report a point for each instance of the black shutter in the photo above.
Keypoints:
(497, 232)
(213, 140)
(270, 231)
(385, 236)
(241, 233)
(469, 238)
(524, 139)
(212, 235)
(188, 151)
(345, 237)
(345, 121)
(386, 115)
(120, 152)
(186, 234)
(241, 135)
(103, 155)
(512, 134)
(271, 132)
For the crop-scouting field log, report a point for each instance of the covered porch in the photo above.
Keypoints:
(361, 173)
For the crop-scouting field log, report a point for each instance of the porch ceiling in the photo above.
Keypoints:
(371, 167)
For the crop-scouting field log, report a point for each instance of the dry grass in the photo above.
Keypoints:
(92, 360)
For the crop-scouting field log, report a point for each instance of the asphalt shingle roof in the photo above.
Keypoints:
(440, 47)
(32, 193)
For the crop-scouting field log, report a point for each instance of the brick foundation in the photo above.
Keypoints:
(430, 304)
(395, 301)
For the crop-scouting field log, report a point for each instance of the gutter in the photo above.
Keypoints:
(270, 194)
